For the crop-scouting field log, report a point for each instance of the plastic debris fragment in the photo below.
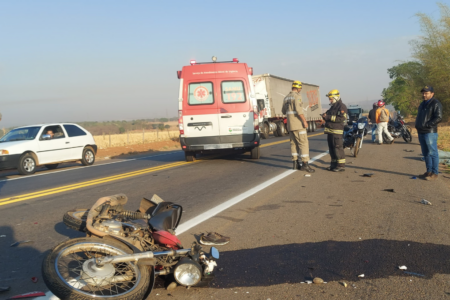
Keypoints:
(368, 175)
(20, 242)
(389, 190)
(426, 202)
(403, 268)
(415, 274)
(27, 295)
(361, 275)
(4, 288)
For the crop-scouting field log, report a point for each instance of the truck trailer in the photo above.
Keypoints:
(270, 91)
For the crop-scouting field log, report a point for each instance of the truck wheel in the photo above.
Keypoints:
(265, 131)
(27, 164)
(189, 156)
(314, 127)
(275, 132)
(255, 153)
(281, 129)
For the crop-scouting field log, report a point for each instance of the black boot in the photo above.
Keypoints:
(339, 168)
(307, 168)
(295, 165)
(332, 166)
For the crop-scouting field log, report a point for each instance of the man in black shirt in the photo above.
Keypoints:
(429, 115)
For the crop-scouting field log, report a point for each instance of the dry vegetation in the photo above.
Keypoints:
(134, 138)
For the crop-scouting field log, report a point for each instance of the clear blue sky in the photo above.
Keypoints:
(117, 60)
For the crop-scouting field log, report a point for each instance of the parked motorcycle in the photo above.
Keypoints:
(397, 128)
(354, 134)
(124, 251)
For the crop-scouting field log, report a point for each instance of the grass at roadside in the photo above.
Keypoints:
(444, 138)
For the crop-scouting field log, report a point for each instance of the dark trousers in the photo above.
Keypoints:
(336, 148)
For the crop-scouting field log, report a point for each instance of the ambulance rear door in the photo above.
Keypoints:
(235, 109)
(200, 109)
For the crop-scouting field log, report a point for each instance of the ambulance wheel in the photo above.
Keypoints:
(190, 156)
(281, 129)
(265, 131)
(255, 153)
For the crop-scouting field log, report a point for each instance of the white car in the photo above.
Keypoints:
(25, 148)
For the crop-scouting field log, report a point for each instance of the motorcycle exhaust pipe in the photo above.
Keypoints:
(101, 261)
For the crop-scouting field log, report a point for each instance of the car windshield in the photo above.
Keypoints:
(354, 111)
(20, 134)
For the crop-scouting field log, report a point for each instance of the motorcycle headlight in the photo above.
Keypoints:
(187, 272)
(361, 125)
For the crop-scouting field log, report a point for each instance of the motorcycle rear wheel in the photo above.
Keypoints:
(407, 136)
(62, 270)
(356, 148)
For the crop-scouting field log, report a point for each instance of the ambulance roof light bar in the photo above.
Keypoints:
(214, 59)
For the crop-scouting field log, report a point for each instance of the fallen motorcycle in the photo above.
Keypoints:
(124, 251)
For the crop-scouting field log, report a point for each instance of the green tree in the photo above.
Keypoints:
(433, 51)
(161, 126)
(404, 90)
(121, 130)
(164, 120)
(167, 127)
(155, 126)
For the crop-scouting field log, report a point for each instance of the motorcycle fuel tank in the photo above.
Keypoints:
(166, 238)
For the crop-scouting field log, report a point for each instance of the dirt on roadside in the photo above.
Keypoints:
(137, 149)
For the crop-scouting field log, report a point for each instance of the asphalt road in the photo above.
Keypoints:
(334, 226)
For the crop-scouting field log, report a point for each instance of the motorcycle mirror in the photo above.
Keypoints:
(214, 252)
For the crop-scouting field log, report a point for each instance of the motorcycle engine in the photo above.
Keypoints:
(110, 226)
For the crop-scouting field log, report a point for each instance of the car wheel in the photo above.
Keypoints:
(265, 131)
(255, 153)
(52, 166)
(27, 164)
(88, 158)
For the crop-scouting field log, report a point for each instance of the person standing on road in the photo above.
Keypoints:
(429, 115)
(335, 119)
(293, 109)
(382, 118)
(373, 120)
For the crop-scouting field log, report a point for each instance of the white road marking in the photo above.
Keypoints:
(227, 204)
(216, 210)
(78, 168)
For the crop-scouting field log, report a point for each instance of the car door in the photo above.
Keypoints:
(76, 138)
(55, 149)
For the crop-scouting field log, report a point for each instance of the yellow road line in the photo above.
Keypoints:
(75, 186)
(87, 183)
(285, 141)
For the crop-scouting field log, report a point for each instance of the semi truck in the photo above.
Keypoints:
(270, 91)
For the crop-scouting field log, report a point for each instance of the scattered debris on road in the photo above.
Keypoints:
(343, 283)
(368, 174)
(21, 242)
(2, 235)
(389, 190)
(403, 268)
(307, 175)
(4, 288)
(414, 177)
(426, 202)
(415, 274)
(27, 295)
(361, 275)
(318, 280)
(171, 286)
(409, 150)
(34, 279)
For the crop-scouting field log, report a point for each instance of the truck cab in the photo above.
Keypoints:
(217, 108)
(354, 112)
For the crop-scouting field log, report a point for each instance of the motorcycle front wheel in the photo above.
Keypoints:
(356, 149)
(407, 136)
(66, 276)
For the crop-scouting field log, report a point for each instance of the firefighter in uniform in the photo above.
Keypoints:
(293, 109)
(335, 119)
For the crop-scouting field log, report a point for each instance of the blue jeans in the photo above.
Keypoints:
(374, 131)
(428, 143)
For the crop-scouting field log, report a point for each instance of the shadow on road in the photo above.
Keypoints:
(331, 261)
